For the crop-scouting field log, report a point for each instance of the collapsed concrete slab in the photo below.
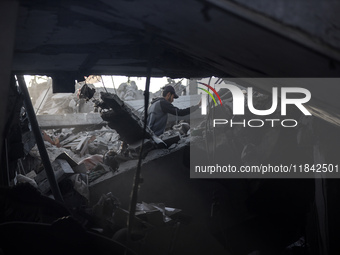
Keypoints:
(69, 120)
(121, 118)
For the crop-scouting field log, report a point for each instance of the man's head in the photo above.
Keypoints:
(169, 93)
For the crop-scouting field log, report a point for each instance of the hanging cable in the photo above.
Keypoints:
(137, 180)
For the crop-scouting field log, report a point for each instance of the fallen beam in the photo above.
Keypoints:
(121, 118)
(69, 120)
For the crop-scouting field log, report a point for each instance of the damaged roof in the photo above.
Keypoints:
(193, 38)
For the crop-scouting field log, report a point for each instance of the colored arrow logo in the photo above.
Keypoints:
(210, 93)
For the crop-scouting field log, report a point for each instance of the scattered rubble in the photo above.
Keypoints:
(85, 147)
(80, 156)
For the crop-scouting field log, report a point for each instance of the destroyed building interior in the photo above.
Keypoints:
(82, 173)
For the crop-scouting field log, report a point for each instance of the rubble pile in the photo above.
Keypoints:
(129, 91)
(76, 156)
(81, 156)
(94, 152)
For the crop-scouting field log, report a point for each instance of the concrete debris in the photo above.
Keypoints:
(85, 155)
(48, 103)
(69, 160)
(129, 91)
(73, 120)
(106, 206)
(148, 215)
(121, 118)
(25, 179)
(80, 145)
(182, 127)
(99, 170)
(135, 148)
(97, 147)
(110, 159)
(170, 137)
(100, 151)
(83, 158)
(61, 170)
(152, 211)
(31, 175)
(91, 161)
(81, 151)
(80, 186)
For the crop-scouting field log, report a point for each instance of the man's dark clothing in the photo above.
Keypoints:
(158, 114)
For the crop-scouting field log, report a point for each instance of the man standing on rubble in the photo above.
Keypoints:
(161, 106)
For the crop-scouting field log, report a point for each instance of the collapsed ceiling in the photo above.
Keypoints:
(193, 38)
